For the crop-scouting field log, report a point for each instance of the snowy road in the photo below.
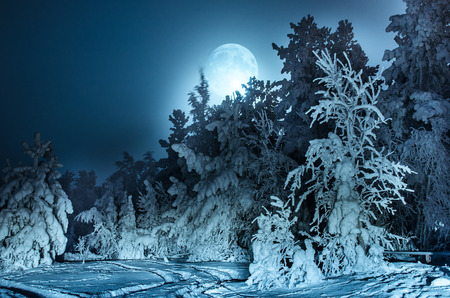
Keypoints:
(118, 278)
(174, 279)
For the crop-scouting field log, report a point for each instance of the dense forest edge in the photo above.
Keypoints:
(312, 176)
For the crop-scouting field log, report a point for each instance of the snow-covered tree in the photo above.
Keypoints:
(422, 57)
(268, 165)
(427, 152)
(169, 166)
(119, 231)
(260, 97)
(152, 227)
(418, 95)
(129, 244)
(298, 90)
(201, 139)
(350, 180)
(83, 193)
(208, 217)
(278, 261)
(148, 206)
(33, 210)
(131, 173)
(419, 63)
(103, 241)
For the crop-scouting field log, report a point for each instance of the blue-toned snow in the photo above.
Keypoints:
(147, 278)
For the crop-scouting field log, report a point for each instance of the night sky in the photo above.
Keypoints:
(101, 77)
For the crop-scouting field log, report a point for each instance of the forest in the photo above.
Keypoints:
(312, 176)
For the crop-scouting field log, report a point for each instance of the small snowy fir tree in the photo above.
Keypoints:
(129, 244)
(115, 234)
(33, 211)
(103, 240)
(277, 260)
(350, 179)
(152, 227)
(149, 211)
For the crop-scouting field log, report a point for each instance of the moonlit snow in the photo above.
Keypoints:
(150, 278)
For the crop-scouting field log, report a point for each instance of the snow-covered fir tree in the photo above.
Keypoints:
(169, 166)
(201, 139)
(148, 206)
(119, 231)
(268, 165)
(351, 180)
(298, 91)
(427, 153)
(103, 241)
(208, 218)
(131, 174)
(151, 225)
(417, 100)
(129, 244)
(33, 211)
(83, 193)
(422, 56)
(260, 97)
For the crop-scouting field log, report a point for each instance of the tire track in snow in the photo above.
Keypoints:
(32, 291)
(166, 277)
(171, 284)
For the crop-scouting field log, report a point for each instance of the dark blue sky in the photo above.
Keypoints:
(101, 77)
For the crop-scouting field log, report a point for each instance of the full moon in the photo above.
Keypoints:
(228, 67)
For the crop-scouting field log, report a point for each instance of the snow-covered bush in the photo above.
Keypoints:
(33, 211)
(82, 248)
(277, 260)
(351, 180)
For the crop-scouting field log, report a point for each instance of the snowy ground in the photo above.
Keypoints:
(170, 279)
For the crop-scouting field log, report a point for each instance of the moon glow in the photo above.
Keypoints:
(228, 67)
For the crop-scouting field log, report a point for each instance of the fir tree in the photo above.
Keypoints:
(298, 91)
(103, 241)
(170, 165)
(33, 210)
(208, 214)
(418, 102)
(67, 181)
(83, 195)
(200, 139)
(131, 174)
